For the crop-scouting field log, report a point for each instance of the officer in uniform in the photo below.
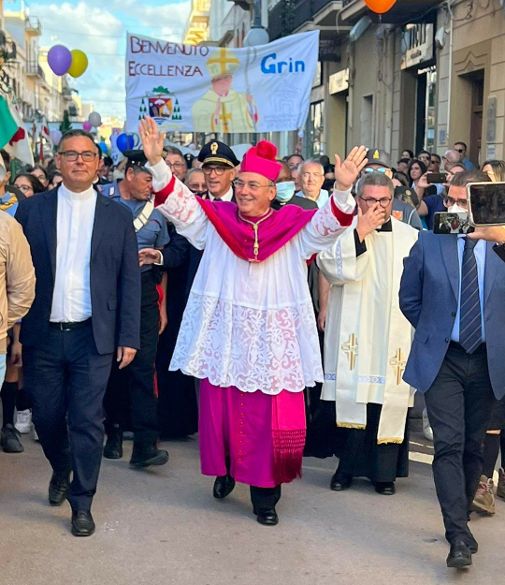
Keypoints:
(218, 164)
(131, 393)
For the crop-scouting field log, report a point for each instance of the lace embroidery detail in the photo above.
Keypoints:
(233, 345)
(324, 221)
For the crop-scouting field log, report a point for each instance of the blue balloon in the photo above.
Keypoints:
(103, 147)
(125, 142)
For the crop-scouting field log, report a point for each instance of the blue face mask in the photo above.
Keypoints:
(285, 191)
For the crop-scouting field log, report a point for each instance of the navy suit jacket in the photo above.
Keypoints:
(429, 300)
(114, 272)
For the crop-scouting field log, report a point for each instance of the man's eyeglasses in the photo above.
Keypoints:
(450, 201)
(460, 150)
(251, 185)
(306, 175)
(384, 202)
(218, 170)
(177, 164)
(73, 155)
(377, 170)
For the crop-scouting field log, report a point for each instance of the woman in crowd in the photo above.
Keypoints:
(28, 184)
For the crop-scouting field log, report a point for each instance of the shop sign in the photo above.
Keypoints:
(338, 81)
(417, 45)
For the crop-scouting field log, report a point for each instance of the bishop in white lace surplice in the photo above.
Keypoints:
(249, 325)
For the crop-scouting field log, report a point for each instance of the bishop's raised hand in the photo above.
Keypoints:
(152, 140)
(348, 170)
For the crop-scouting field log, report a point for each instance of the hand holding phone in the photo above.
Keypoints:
(436, 178)
(486, 203)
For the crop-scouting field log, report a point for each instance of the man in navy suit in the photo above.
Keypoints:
(453, 293)
(87, 306)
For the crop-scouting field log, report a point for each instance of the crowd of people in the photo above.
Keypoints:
(280, 308)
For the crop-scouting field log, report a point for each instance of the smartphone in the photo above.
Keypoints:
(445, 222)
(486, 203)
(436, 177)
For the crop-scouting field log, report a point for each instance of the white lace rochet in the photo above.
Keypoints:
(248, 347)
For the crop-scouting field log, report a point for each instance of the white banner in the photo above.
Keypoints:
(195, 88)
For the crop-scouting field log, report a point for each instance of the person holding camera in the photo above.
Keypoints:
(456, 359)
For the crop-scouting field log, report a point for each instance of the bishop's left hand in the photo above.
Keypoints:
(347, 171)
(152, 140)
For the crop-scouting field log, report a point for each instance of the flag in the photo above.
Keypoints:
(18, 145)
(8, 125)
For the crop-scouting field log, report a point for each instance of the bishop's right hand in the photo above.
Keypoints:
(152, 140)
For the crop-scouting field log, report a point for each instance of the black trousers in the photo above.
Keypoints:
(66, 378)
(262, 498)
(130, 394)
(459, 407)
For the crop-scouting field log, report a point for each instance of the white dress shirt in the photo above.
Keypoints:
(228, 196)
(74, 228)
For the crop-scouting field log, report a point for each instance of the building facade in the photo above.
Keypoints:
(24, 72)
(424, 75)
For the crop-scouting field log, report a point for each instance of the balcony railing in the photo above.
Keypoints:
(401, 12)
(288, 16)
(33, 69)
(32, 25)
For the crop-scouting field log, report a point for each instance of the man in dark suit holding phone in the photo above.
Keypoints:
(87, 306)
(456, 358)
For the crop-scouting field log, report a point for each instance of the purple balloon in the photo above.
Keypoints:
(59, 58)
(86, 126)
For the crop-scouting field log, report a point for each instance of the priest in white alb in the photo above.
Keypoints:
(367, 342)
(248, 330)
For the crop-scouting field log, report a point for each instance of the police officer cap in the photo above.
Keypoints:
(376, 156)
(136, 158)
(219, 153)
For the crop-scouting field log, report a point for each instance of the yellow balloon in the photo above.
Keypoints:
(79, 63)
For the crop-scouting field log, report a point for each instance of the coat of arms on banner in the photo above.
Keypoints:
(162, 105)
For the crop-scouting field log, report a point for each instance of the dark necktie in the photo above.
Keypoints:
(470, 327)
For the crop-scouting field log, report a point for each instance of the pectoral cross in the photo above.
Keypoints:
(398, 364)
(350, 348)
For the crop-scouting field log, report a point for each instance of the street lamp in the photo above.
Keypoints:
(257, 34)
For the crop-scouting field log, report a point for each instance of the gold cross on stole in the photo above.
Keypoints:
(398, 364)
(350, 348)
(225, 118)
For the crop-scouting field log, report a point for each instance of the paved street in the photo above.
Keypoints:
(163, 527)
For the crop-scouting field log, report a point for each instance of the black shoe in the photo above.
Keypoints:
(267, 516)
(223, 486)
(58, 487)
(472, 544)
(82, 523)
(340, 481)
(459, 555)
(146, 455)
(114, 446)
(385, 488)
(10, 440)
